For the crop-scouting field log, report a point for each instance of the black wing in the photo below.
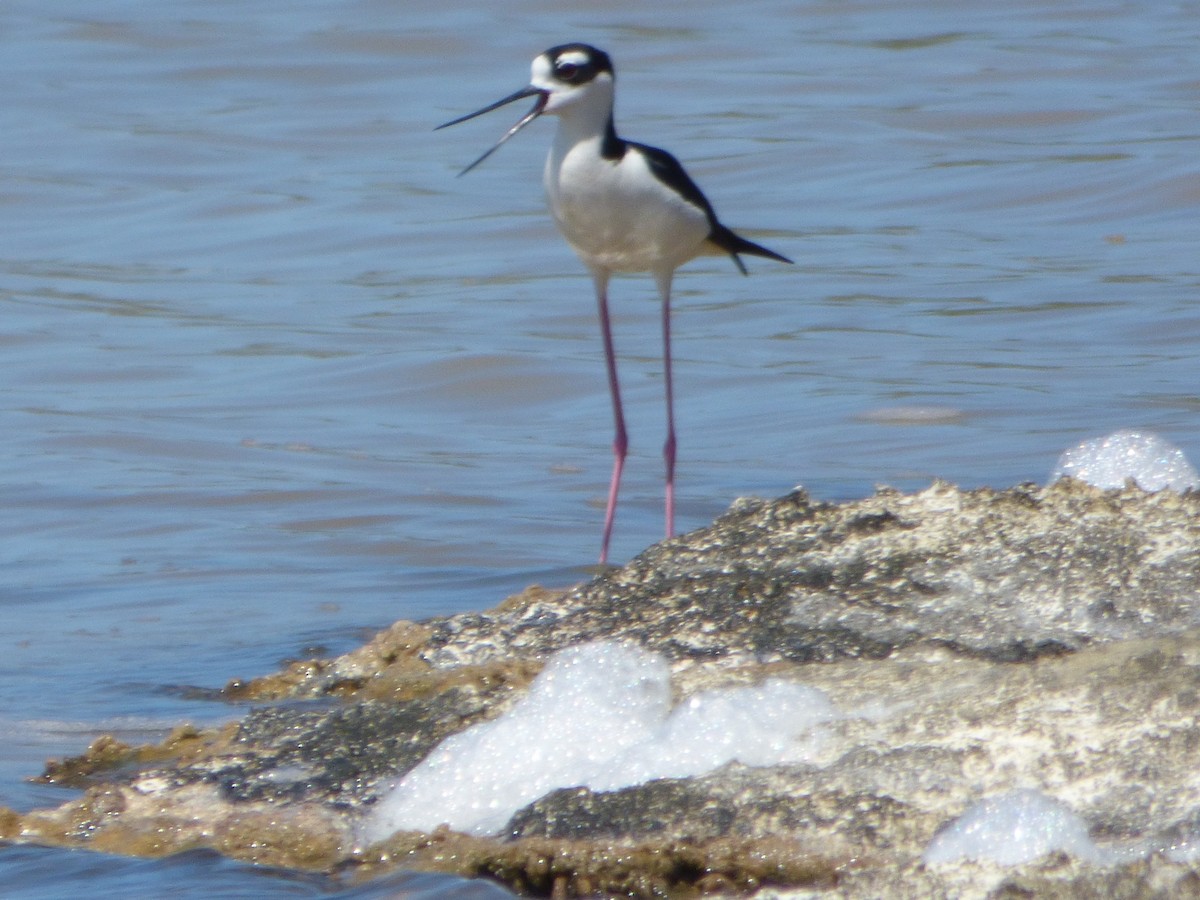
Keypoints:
(669, 171)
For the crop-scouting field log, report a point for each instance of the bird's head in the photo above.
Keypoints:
(570, 79)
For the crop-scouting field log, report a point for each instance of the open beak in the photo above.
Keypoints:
(538, 108)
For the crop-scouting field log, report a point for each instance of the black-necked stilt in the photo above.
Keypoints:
(623, 207)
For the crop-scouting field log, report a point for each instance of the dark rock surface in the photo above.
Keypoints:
(978, 642)
(1003, 575)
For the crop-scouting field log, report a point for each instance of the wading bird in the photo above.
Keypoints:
(623, 207)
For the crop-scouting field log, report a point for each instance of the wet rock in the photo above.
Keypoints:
(106, 753)
(975, 642)
(628, 868)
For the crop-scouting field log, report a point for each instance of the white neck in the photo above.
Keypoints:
(587, 116)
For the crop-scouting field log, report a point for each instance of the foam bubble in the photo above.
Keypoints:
(1015, 828)
(769, 724)
(1151, 461)
(598, 716)
(587, 704)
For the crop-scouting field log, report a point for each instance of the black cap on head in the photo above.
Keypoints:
(578, 63)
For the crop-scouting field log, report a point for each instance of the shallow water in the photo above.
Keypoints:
(275, 376)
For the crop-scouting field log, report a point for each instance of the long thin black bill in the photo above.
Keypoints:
(538, 107)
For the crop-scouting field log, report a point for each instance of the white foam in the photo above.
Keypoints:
(1015, 828)
(1151, 461)
(773, 723)
(598, 716)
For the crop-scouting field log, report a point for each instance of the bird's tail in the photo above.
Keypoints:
(735, 244)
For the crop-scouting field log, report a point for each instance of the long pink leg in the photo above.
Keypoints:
(620, 444)
(664, 289)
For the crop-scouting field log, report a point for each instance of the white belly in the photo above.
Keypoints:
(618, 216)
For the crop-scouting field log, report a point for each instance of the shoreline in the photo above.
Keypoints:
(981, 641)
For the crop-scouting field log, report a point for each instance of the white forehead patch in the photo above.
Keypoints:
(542, 69)
(574, 58)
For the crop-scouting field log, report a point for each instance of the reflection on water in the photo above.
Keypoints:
(274, 376)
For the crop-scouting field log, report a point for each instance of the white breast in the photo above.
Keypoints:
(617, 215)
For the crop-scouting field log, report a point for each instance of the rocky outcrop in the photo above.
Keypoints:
(975, 642)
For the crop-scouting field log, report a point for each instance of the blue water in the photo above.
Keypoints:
(274, 377)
